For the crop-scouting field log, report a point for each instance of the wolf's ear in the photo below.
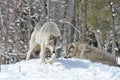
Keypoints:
(74, 46)
(51, 37)
(60, 38)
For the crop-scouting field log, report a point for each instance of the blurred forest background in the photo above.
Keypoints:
(95, 22)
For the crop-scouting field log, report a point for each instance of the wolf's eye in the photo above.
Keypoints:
(60, 38)
(51, 37)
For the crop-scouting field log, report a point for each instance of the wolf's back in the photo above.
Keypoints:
(42, 34)
(50, 28)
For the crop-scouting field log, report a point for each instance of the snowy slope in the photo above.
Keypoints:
(62, 69)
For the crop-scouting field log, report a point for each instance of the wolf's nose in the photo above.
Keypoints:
(53, 51)
(66, 57)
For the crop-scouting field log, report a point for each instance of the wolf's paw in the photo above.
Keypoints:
(27, 59)
(51, 62)
(43, 62)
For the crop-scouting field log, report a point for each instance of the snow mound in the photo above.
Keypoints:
(62, 69)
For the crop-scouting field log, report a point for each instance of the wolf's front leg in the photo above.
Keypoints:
(42, 53)
(52, 58)
(28, 54)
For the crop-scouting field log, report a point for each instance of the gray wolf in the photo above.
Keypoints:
(48, 36)
(85, 51)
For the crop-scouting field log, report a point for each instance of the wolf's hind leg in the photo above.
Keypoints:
(32, 46)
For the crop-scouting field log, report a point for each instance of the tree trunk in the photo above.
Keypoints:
(64, 29)
(83, 21)
(76, 21)
(48, 10)
(44, 8)
(70, 18)
(113, 29)
(29, 21)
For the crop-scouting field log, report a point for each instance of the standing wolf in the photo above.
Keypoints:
(48, 36)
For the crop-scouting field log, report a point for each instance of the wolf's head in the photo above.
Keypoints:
(55, 42)
(71, 50)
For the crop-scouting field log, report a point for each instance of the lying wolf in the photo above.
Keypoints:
(85, 51)
(48, 36)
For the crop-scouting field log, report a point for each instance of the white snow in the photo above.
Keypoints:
(118, 60)
(113, 14)
(111, 3)
(62, 69)
(98, 31)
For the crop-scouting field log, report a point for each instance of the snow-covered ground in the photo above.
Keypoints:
(62, 69)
